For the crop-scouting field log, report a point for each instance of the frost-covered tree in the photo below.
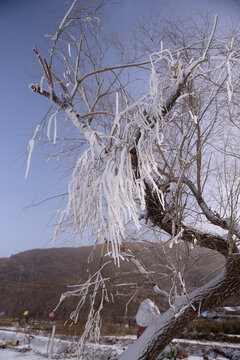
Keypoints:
(151, 138)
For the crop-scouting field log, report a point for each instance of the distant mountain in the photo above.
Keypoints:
(34, 280)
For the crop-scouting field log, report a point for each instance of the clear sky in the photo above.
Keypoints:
(21, 24)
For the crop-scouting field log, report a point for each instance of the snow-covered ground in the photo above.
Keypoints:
(9, 354)
(12, 355)
(26, 346)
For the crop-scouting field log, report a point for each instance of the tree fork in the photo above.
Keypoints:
(161, 218)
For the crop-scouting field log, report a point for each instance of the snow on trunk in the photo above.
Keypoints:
(161, 331)
(147, 313)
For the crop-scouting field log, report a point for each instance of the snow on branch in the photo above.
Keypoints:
(91, 136)
(214, 218)
(161, 292)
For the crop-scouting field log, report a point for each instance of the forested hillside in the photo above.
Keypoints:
(34, 280)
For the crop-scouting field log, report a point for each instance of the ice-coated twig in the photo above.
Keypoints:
(126, 306)
(93, 324)
(67, 13)
(94, 287)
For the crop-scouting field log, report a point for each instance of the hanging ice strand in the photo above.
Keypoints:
(30, 149)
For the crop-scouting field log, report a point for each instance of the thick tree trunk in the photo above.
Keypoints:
(160, 333)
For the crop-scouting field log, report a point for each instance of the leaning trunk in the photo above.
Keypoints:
(160, 333)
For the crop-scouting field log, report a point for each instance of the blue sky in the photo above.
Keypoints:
(21, 24)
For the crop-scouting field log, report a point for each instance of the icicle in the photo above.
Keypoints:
(30, 149)
(41, 84)
(117, 103)
(55, 130)
(49, 126)
(69, 50)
